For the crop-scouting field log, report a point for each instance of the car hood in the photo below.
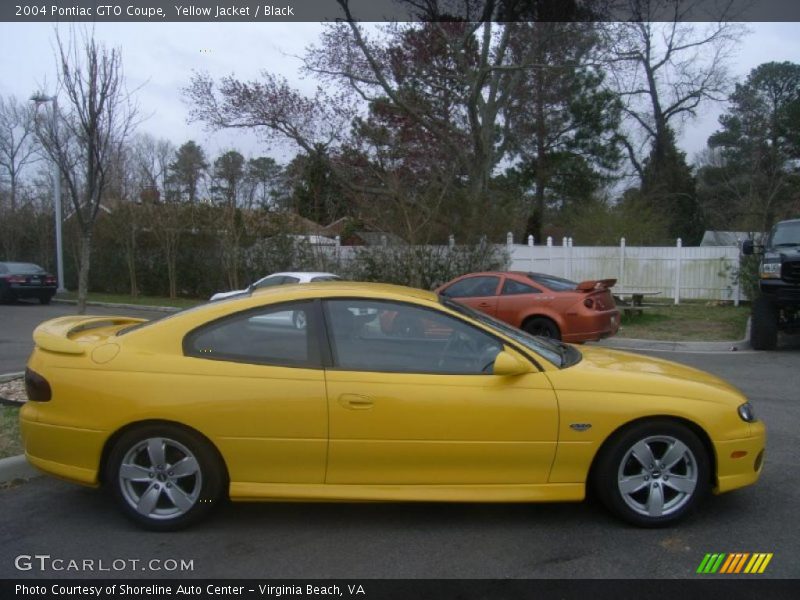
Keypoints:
(602, 369)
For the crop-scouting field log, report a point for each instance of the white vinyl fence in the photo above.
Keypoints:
(676, 272)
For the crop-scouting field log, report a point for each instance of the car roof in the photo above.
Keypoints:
(303, 274)
(346, 288)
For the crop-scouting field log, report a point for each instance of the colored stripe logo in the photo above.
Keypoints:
(734, 563)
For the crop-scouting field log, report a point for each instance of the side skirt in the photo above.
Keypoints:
(545, 492)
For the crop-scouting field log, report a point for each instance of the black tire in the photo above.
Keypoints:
(655, 494)
(45, 299)
(543, 327)
(764, 324)
(167, 501)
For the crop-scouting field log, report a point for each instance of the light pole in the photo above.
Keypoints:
(39, 98)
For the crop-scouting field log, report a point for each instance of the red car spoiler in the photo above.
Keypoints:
(595, 284)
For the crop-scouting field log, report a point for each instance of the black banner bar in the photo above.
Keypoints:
(158, 11)
(730, 588)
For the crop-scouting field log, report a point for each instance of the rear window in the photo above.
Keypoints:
(551, 282)
(23, 268)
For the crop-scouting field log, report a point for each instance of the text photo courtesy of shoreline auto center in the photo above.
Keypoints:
(395, 299)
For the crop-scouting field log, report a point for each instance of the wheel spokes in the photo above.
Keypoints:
(149, 500)
(632, 484)
(655, 501)
(133, 472)
(644, 454)
(680, 483)
(184, 467)
(156, 450)
(675, 453)
(179, 498)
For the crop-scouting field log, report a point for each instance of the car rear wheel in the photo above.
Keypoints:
(542, 326)
(165, 477)
(653, 474)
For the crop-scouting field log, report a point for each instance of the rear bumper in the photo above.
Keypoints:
(67, 452)
(590, 328)
(32, 291)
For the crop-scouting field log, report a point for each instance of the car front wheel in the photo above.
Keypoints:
(653, 473)
(165, 477)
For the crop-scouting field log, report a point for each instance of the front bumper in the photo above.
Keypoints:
(740, 462)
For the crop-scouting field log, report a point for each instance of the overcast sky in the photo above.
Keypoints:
(159, 59)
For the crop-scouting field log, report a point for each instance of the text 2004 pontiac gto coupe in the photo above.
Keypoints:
(227, 399)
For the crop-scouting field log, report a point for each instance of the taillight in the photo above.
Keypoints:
(37, 387)
(16, 279)
(588, 303)
(50, 279)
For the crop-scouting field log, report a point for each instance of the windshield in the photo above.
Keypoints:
(785, 234)
(552, 351)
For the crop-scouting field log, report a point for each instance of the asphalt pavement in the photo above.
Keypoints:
(422, 540)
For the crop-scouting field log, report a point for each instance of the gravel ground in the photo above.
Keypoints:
(13, 391)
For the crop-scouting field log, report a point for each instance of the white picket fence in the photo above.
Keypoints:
(675, 272)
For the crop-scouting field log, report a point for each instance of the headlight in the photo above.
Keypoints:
(747, 413)
(770, 270)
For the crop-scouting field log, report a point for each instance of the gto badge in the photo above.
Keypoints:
(580, 426)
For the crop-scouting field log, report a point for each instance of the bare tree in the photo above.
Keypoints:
(83, 139)
(18, 148)
(152, 158)
(665, 70)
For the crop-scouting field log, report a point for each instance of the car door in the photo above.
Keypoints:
(425, 409)
(515, 300)
(478, 291)
(263, 393)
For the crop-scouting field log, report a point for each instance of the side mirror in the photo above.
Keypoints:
(749, 247)
(506, 363)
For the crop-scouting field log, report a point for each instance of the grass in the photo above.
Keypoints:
(139, 300)
(10, 442)
(688, 321)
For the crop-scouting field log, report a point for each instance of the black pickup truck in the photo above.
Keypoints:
(778, 306)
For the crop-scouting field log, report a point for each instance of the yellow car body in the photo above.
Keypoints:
(533, 433)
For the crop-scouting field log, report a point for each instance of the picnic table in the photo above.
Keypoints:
(636, 303)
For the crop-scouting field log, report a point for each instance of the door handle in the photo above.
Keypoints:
(356, 401)
(485, 305)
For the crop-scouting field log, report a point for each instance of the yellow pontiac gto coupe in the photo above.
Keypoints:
(304, 392)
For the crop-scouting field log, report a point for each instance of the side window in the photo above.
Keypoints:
(326, 278)
(290, 279)
(371, 335)
(279, 335)
(473, 287)
(512, 287)
(270, 281)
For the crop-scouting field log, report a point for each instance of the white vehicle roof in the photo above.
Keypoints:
(302, 276)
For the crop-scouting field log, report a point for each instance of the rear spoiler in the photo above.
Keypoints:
(53, 335)
(595, 284)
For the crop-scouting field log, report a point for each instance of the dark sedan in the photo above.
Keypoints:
(26, 280)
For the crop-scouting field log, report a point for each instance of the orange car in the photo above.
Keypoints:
(541, 304)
